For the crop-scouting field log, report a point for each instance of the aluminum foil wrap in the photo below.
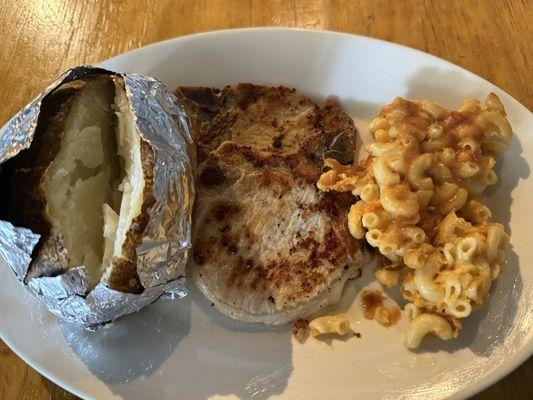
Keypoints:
(163, 251)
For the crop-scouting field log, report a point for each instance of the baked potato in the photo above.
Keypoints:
(85, 185)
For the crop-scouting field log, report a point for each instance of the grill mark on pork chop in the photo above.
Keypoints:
(212, 175)
(224, 210)
(226, 242)
(268, 246)
(299, 164)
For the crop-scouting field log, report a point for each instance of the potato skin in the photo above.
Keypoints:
(49, 258)
(124, 276)
(23, 204)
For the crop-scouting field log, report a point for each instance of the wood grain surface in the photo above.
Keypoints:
(39, 39)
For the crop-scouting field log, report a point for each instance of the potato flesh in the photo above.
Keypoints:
(83, 178)
(132, 185)
(110, 229)
(94, 186)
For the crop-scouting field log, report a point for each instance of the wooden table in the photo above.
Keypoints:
(39, 39)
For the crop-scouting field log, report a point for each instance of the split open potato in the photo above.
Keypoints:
(85, 185)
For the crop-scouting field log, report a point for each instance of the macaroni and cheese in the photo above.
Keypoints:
(419, 206)
(329, 324)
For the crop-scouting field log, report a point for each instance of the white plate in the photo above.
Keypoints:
(187, 350)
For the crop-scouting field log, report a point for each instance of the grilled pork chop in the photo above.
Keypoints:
(268, 246)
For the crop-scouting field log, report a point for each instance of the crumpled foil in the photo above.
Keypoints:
(163, 252)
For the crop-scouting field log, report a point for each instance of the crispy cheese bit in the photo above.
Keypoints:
(373, 308)
(300, 329)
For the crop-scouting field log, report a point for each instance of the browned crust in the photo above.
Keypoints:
(215, 115)
(213, 112)
(124, 276)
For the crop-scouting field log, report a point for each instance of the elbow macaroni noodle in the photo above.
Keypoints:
(418, 205)
(425, 323)
(329, 324)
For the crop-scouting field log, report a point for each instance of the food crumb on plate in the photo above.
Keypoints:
(300, 329)
(373, 308)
